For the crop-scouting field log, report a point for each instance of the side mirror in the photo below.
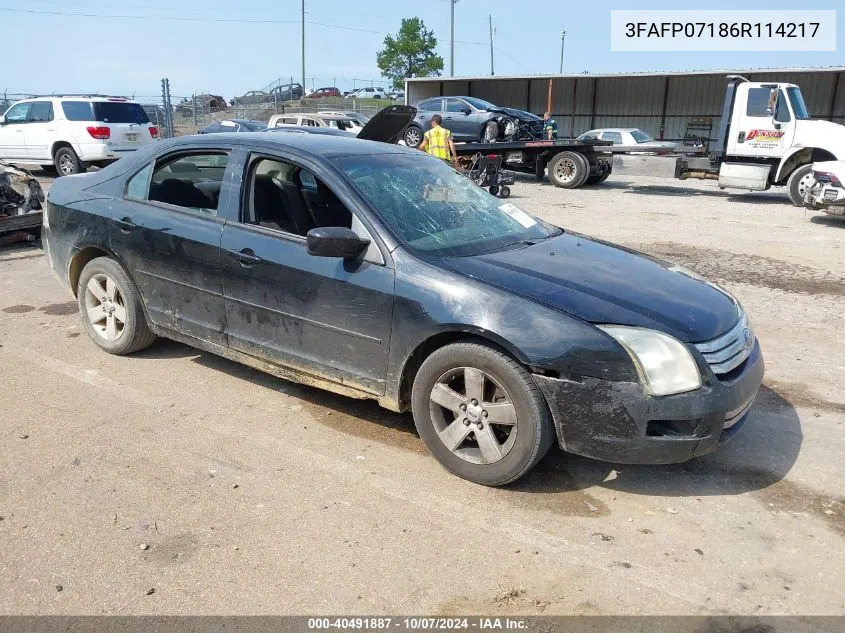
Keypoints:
(335, 241)
(466, 111)
(2, 120)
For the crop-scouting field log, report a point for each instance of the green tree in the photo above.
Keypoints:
(410, 53)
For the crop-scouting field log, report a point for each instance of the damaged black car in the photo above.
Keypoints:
(471, 119)
(376, 271)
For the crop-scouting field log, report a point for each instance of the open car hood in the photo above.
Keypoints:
(388, 124)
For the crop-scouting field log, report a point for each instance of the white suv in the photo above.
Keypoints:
(369, 93)
(73, 132)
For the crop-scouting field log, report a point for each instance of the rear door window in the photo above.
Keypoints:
(40, 112)
(190, 181)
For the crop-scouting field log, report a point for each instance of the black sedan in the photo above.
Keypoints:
(472, 119)
(376, 271)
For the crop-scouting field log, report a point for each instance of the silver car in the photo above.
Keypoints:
(630, 137)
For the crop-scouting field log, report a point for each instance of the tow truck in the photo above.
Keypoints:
(766, 138)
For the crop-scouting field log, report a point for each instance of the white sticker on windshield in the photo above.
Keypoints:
(518, 214)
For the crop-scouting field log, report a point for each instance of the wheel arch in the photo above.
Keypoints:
(82, 257)
(801, 156)
(57, 145)
(453, 334)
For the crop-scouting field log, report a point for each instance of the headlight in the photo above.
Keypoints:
(664, 363)
(510, 127)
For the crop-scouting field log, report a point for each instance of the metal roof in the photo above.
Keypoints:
(657, 73)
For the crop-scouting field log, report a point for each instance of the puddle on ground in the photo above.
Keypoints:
(60, 309)
(719, 265)
(18, 309)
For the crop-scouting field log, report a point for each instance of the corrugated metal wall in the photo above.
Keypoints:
(583, 103)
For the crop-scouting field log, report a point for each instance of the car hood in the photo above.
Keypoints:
(388, 124)
(602, 283)
(519, 114)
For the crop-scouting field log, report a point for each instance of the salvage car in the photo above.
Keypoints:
(826, 191)
(471, 119)
(630, 137)
(21, 199)
(377, 271)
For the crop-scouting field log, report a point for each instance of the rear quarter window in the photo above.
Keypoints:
(120, 112)
(78, 110)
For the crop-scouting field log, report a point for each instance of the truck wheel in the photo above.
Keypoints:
(799, 183)
(67, 162)
(480, 414)
(110, 306)
(504, 192)
(568, 170)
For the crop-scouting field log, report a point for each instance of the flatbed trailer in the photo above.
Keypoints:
(568, 162)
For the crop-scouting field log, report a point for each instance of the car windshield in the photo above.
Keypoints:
(641, 137)
(479, 104)
(797, 101)
(119, 112)
(432, 208)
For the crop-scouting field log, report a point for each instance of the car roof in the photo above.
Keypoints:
(316, 146)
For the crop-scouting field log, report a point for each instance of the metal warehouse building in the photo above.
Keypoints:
(670, 105)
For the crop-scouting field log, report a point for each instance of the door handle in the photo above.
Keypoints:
(448, 118)
(741, 138)
(126, 225)
(246, 257)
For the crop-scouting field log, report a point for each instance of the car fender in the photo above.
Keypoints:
(798, 156)
(434, 304)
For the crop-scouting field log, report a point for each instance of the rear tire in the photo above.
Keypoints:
(67, 162)
(480, 414)
(798, 184)
(505, 191)
(568, 170)
(110, 306)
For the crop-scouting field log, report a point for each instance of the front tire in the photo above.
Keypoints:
(480, 414)
(490, 133)
(413, 136)
(798, 184)
(110, 306)
(67, 162)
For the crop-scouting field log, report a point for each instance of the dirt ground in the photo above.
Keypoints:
(174, 481)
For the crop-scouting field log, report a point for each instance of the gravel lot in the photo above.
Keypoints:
(229, 491)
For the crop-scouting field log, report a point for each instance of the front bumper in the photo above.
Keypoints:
(826, 197)
(618, 422)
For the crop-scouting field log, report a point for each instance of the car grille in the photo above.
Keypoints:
(729, 351)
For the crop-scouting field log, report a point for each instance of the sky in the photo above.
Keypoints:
(189, 42)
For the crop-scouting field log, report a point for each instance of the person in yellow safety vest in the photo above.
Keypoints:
(438, 141)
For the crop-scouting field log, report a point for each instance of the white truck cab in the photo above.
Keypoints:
(766, 138)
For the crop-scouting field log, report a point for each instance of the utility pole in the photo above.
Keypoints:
(562, 43)
(452, 42)
(303, 49)
(491, 45)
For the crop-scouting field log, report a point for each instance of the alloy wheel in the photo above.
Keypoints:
(105, 308)
(66, 164)
(473, 415)
(412, 137)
